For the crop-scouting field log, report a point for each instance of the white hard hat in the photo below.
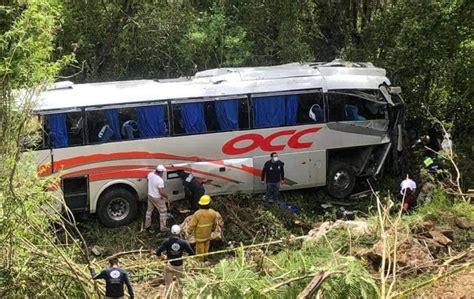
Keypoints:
(160, 168)
(175, 229)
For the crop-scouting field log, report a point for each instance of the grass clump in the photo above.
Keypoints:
(441, 209)
(284, 275)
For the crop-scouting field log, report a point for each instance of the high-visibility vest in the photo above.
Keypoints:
(428, 161)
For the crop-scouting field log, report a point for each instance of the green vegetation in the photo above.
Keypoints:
(32, 262)
(426, 46)
(253, 275)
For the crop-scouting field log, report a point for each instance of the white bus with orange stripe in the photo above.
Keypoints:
(330, 123)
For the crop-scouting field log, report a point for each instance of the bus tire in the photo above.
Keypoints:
(117, 207)
(340, 180)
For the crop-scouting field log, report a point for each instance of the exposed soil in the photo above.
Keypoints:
(457, 286)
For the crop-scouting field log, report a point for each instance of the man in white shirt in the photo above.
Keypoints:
(157, 197)
(407, 184)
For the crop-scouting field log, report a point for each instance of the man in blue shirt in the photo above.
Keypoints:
(115, 277)
(193, 189)
(273, 173)
(174, 247)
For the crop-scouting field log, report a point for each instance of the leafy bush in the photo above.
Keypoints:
(252, 275)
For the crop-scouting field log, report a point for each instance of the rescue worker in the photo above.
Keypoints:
(202, 224)
(192, 188)
(174, 247)
(273, 174)
(115, 277)
(157, 198)
(408, 194)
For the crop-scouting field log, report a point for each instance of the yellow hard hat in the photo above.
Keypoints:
(205, 200)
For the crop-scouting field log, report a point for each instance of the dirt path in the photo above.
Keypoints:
(457, 286)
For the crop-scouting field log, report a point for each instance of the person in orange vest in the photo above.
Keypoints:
(202, 224)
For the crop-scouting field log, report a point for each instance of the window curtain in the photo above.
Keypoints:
(268, 111)
(193, 117)
(291, 109)
(275, 111)
(151, 121)
(227, 114)
(58, 130)
(113, 121)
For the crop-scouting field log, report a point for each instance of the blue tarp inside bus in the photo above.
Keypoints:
(58, 130)
(151, 121)
(113, 121)
(193, 117)
(274, 111)
(228, 114)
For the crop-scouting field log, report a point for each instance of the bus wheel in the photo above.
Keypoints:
(117, 207)
(341, 180)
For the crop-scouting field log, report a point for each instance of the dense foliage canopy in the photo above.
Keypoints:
(426, 46)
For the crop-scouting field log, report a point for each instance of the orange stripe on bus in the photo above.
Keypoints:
(96, 158)
(45, 169)
(135, 171)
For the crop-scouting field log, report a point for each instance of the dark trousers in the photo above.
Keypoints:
(273, 192)
(193, 199)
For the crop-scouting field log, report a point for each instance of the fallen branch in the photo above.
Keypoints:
(456, 257)
(119, 254)
(314, 285)
(235, 219)
(287, 282)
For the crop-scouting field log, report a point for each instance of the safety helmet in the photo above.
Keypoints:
(205, 200)
(160, 168)
(175, 229)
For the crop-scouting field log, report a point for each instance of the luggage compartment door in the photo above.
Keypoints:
(225, 176)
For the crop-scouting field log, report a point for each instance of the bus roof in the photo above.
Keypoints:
(221, 82)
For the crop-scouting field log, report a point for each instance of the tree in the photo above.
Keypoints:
(426, 47)
(31, 262)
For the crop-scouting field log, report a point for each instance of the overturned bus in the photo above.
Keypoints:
(331, 123)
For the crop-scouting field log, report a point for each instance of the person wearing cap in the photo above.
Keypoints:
(193, 189)
(273, 173)
(202, 224)
(157, 198)
(174, 248)
(408, 194)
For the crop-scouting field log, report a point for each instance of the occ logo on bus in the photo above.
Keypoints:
(265, 143)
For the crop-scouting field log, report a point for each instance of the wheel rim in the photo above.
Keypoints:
(342, 179)
(118, 209)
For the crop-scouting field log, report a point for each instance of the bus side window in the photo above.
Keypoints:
(189, 118)
(244, 121)
(103, 125)
(274, 111)
(344, 107)
(64, 129)
(310, 108)
(128, 123)
(231, 114)
(211, 117)
(337, 103)
(151, 121)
